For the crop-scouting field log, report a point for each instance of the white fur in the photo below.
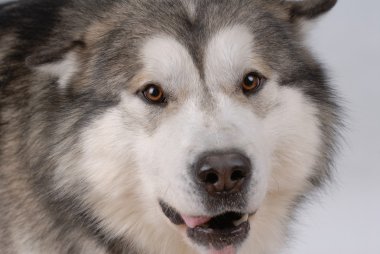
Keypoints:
(229, 56)
(169, 63)
(118, 194)
(64, 69)
(129, 166)
(293, 130)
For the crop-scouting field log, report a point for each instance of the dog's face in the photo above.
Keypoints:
(217, 127)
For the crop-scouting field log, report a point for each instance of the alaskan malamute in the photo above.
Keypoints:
(159, 126)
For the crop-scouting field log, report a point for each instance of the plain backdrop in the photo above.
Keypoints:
(346, 217)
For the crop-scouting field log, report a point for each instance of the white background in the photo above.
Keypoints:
(346, 218)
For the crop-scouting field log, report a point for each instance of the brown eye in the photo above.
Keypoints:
(154, 94)
(252, 82)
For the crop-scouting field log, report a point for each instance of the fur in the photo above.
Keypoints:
(85, 160)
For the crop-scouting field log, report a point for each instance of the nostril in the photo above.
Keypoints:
(237, 175)
(223, 173)
(211, 178)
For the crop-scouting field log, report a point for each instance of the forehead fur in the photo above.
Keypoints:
(276, 41)
(229, 55)
(167, 60)
(139, 21)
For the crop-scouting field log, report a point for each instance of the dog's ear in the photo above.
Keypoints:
(308, 9)
(60, 60)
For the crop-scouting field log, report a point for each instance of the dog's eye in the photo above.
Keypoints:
(252, 82)
(153, 94)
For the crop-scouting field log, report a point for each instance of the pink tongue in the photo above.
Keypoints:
(192, 222)
(226, 250)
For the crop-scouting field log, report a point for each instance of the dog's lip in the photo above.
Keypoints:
(180, 219)
(221, 240)
(221, 233)
(171, 214)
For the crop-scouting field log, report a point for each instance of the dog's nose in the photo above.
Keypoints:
(223, 173)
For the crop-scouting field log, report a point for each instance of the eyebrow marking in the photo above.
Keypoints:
(229, 54)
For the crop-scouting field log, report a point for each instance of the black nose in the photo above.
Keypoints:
(223, 173)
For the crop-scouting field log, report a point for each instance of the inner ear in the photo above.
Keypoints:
(61, 62)
(308, 9)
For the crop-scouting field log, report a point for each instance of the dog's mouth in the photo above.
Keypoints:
(221, 233)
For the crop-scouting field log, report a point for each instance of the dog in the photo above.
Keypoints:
(160, 126)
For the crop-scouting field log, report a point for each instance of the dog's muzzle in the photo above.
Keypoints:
(222, 179)
(222, 233)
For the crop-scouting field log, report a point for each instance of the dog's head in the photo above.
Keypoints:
(220, 121)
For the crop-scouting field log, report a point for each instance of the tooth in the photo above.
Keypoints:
(244, 218)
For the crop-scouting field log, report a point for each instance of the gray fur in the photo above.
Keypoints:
(37, 119)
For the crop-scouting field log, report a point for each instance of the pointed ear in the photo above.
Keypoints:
(308, 9)
(60, 61)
